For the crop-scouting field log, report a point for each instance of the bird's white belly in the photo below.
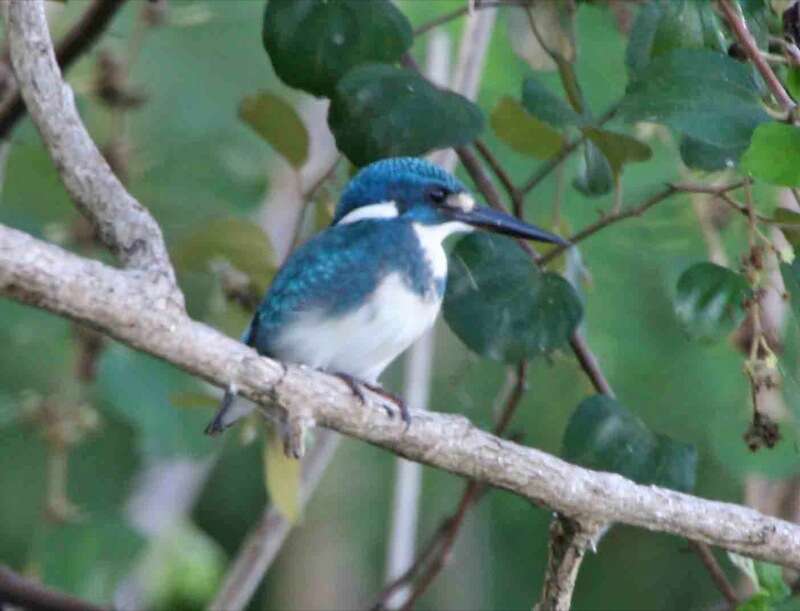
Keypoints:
(363, 342)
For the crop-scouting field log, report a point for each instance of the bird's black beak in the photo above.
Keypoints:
(499, 222)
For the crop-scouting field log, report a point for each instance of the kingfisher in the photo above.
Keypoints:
(353, 298)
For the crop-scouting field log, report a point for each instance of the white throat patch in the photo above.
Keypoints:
(381, 210)
(431, 237)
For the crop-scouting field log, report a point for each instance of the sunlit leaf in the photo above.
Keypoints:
(242, 243)
(595, 176)
(282, 477)
(312, 44)
(773, 154)
(710, 300)
(702, 94)
(547, 106)
(523, 132)
(604, 435)
(382, 111)
(519, 313)
(272, 118)
(618, 149)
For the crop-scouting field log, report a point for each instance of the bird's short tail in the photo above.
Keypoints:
(230, 410)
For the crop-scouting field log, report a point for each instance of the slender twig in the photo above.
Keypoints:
(590, 365)
(26, 594)
(739, 28)
(441, 20)
(513, 193)
(715, 571)
(433, 556)
(75, 43)
(551, 164)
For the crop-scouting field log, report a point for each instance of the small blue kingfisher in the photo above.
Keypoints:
(354, 297)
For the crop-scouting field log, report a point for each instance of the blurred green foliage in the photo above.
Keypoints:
(203, 173)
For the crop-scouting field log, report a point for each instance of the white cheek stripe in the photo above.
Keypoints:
(381, 210)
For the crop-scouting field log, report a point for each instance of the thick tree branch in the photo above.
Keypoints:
(123, 224)
(25, 594)
(75, 43)
(569, 540)
(135, 312)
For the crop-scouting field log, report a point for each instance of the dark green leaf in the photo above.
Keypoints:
(791, 280)
(138, 388)
(700, 155)
(603, 435)
(312, 44)
(382, 111)
(276, 121)
(773, 154)
(523, 132)
(547, 106)
(595, 176)
(88, 559)
(501, 306)
(702, 94)
(242, 243)
(663, 26)
(710, 300)
(618, 149)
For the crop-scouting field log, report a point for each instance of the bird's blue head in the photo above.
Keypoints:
(412, 189)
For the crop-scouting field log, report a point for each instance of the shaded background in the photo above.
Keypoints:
(191, 160)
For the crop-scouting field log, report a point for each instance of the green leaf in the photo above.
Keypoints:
(595, 176)
(710, 300)
(702, 94)
(282, 477)
(791, 280)
(555, 26)
(547, 106)
(312, 44)
(661, 27)
(382, 111)
(699, 155)
(138, 388)
(509, 316)
(773, 154)
(770, 580)
(603, 435)
(789, 224)
(792, 81)
(242, 243)
(770, 588)
(272, 118)
(522, 132)
(618, 149)
(87, 559)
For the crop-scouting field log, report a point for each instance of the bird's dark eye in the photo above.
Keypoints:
(437, 195)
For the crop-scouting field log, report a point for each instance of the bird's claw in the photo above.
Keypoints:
(357, 386)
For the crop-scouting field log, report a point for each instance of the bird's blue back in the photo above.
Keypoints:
(337, 270)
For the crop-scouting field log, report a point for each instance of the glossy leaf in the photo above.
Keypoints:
(603, 435)
(312, 44)
(618, 149)
(501, 306)
(710, 300)
(272, 118)
(282, 477)
(523, 132)
(595, 176)
(773, 154)
(242, 243)
(702, 94)
(381, 111)
(699, 155)
(547, 106)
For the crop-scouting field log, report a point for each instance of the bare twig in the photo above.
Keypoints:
(715, 570)
(20, 592)
(123, 224)
(262, 544)
(514, 194)
(589, 364)
(569, 540)
(739, 28)
(74, 44)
